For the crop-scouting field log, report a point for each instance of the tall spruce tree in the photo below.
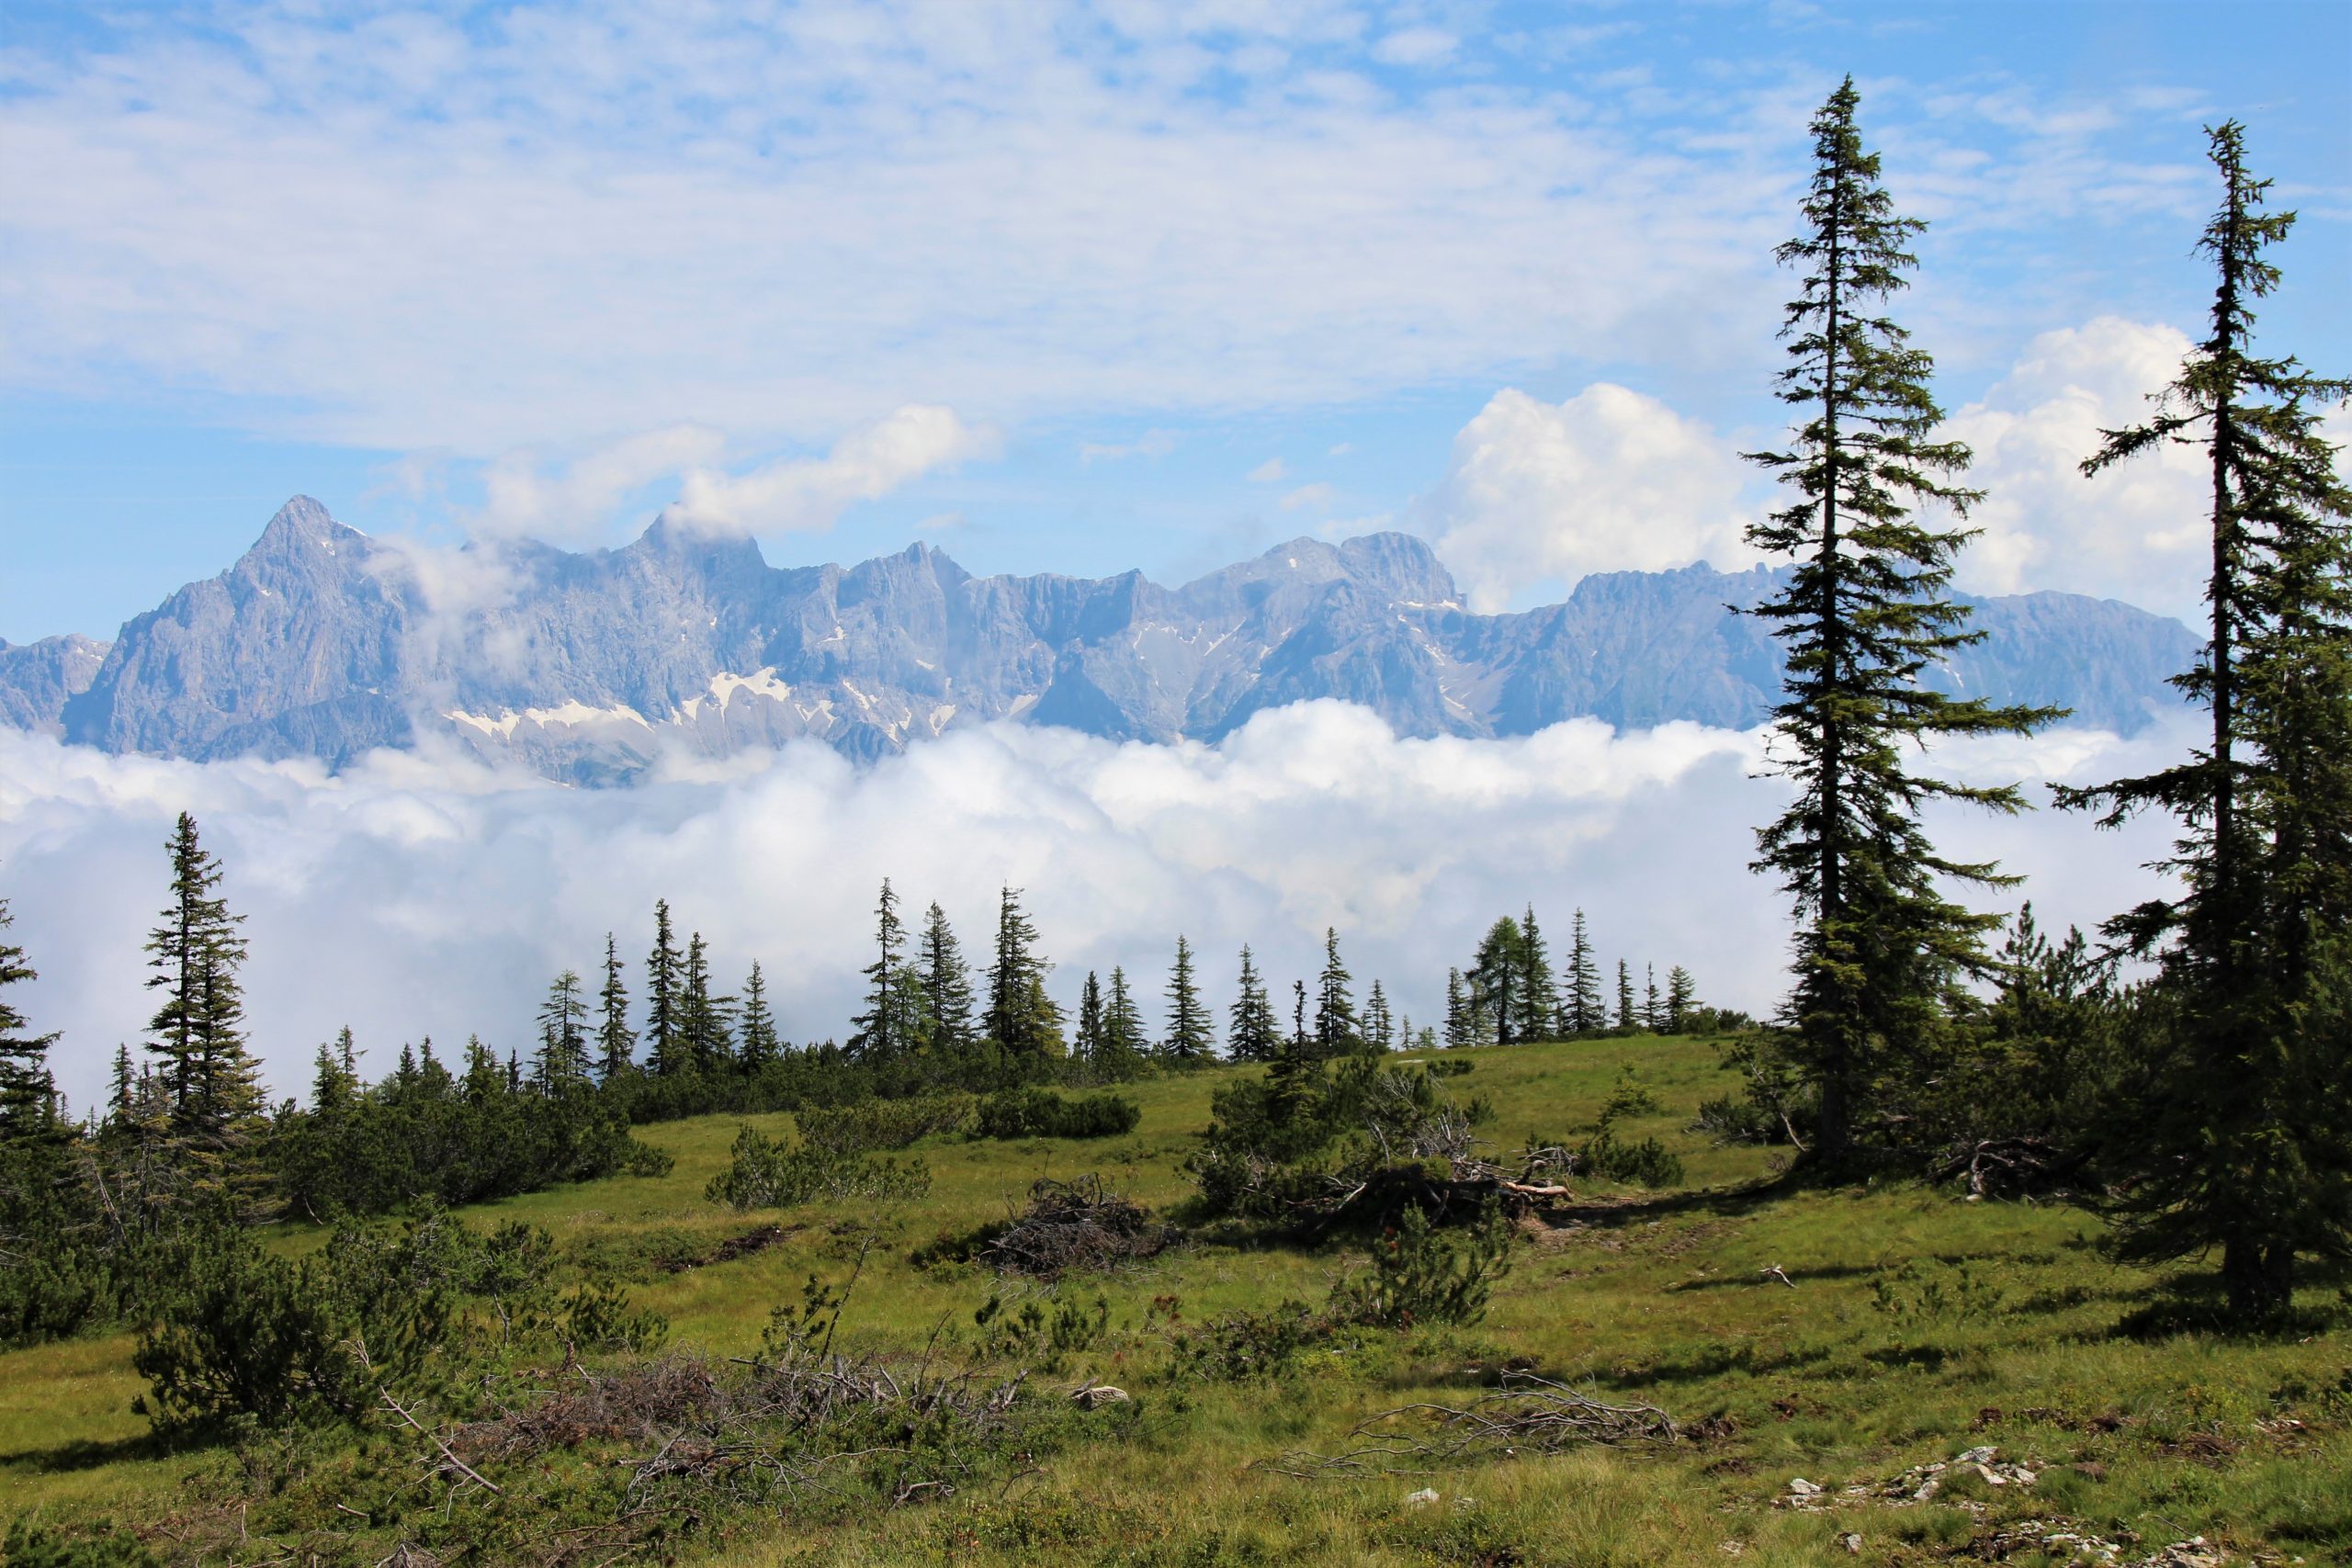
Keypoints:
(1461, 1026)
(1582, 1010)
(1337, 1031)
(1122, 1052)
(661, 993)
(1536, 1019)
(616, 1040)
(213, 1084)
(2236, 1137)
(705, 1019)
(1625, 1019)
(562, 1060)
(27, 1091)
(1191, 1035)
(1021, 1019)
(1085, 1041)
(1682, 998)
(946, 982)
(759, 1043)
(1494, 979)
(1256, 1034)
(1862, 616)
(1379, 1023)
(1653, 1004)
(887, 1029)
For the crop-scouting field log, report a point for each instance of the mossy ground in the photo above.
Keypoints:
(1913, 1326)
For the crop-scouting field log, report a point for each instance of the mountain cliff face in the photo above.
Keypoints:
(322, 642)
(37, 679)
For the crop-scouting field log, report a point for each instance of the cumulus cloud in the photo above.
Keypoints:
(1316, 494)
(1536, 495)
(577, 499)
(1150, 444)
(421, 893)
(1269, 472)
(2138, 532)
(798, 494)
(414, 230)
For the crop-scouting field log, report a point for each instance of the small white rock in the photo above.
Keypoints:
(1801, 1487)
(1426, 1496)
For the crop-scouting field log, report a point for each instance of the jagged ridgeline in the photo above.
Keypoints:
(324, 642)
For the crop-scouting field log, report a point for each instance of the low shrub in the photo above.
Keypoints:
(1420, 1274)
(1042, 1113)
(765, 1174)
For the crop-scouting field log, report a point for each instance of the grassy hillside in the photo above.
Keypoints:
(1902, 1328)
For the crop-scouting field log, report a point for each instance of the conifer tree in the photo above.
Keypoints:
(1256, 1034)
(1121, 1054)
(562, 1060)
(1301, 1047)
(1582, 1007)
(1086, 1043)
(214, 1089)
(946, 982)
(883, 1030)
(1460, 1029)
(27, 1091)
(616, 1040)
(1682, 997)
(1494, 980)
(1191, 1037)
(1337, 1033)
(760, 1045)
(1534, 989)
(706, 1026)
(1021, 1019)
(1862, 616)
(1624, 995)
(1379, 1023)
(122, 1091)
(334, 1080)
(661, 993)
(1653, 1004)
(2236, 1137)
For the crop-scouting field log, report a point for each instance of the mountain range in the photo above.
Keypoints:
(321, 641)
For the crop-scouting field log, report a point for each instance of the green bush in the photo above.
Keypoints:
(97, 1546)
(1420, 1274)
(242, 1338)
(876, 1124)
(765, 1174)
(1611, 1158)
(1042, 1113)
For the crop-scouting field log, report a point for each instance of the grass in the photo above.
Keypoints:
(1914, 1326)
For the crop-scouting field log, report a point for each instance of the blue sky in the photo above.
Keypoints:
(1085, 289)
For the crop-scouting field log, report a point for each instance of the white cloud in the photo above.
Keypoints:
(419, 894)
(1150, 444)
(2138, 532)
(1269, 472)
(1415, 46)
(1537, 495)
(1317, 494)
(807, 493)
(578, 501)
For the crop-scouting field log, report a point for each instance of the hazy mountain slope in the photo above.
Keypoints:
(321, 642)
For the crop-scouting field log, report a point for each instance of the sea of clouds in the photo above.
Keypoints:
(418, 893)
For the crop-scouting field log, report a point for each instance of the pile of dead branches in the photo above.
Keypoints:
(1075, 1226)
(798, 1420)
(1527, 1414)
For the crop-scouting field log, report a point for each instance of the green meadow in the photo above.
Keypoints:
(1840, 1336)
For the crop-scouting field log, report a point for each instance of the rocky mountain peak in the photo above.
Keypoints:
(587, 667)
